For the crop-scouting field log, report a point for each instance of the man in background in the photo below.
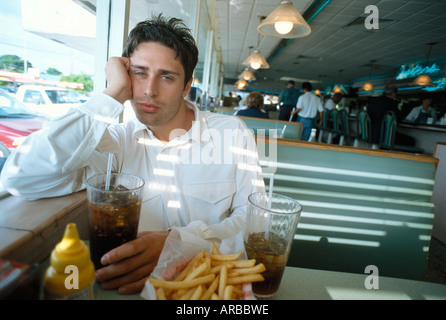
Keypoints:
(307, 108)
(422, 113)
(288, 98)
(331, 103)
(378, 107)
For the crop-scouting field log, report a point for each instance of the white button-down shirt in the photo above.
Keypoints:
(310, 105)
(200, 180)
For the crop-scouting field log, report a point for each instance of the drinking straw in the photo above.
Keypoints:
(270, 191)
(269, 203)
(109, 168)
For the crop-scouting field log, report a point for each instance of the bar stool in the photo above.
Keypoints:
(342, 127)
(363, 130)
(325, 127)
(388, 134)
(333, 125)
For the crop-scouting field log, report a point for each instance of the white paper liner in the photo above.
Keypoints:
(180, 248)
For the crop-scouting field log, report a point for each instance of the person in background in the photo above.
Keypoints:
(331, 103)
(254, 106)
(307, 108)
(288, 99)
(206, 197)
(378, 107)
(421, 113)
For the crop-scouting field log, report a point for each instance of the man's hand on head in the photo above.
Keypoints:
(119, 84)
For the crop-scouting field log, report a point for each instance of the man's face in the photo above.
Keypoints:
(157, 77)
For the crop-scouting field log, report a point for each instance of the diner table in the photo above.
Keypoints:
(313, 284)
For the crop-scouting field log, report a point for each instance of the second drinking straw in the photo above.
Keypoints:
(109, 168)
(270, 191)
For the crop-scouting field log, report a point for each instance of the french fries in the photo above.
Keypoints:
(210, 276)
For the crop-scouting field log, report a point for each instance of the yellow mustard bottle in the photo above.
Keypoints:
(70, 275)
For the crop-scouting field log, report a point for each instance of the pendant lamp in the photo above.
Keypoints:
(256, 61)
(339, 88)
(241, 84)
(368, 86)
(284, 22)
(424, 79)
(247, 75)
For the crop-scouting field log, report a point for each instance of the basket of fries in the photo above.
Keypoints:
(196, 269)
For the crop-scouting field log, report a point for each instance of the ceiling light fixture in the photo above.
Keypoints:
(424, 79)
(284, 22)
(247, 75)
(368, 86)
(241, 84)
(256, 60)
(339, 88)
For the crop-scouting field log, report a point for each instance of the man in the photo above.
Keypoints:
(331, 103)
(378, 107)
(307, 108)
(288, 99)
(421, 113)
(199, 167)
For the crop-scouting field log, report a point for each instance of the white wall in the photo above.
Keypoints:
(439, 194)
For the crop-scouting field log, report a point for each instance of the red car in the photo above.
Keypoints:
(16, 121)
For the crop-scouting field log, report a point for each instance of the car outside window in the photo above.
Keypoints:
(33, 96)
(17, 121)
(61, 96)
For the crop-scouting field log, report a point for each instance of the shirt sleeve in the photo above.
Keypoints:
(299, 104)
(412, 114)
(55, 160)
(281, 96)
(320, 107)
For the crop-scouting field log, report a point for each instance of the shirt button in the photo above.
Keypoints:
(92, 141)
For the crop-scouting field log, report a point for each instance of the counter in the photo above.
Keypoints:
(312, 284)
(426, 135)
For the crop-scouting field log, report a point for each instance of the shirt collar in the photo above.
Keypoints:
(195, 132)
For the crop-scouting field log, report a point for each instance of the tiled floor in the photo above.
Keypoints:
(436, 266)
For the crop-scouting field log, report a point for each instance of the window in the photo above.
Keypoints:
(33, 96)
(44, 42)
(61, 96)
(49, 42)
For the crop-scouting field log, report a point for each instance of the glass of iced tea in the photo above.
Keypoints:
(271, 223)
(113, 211)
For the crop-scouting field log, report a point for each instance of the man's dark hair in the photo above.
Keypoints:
(389, 89)
(172, 33)
(425, 96)
(307, 86)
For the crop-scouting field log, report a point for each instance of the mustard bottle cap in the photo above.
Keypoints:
(70, 250)
(74, 253)
(70, 242)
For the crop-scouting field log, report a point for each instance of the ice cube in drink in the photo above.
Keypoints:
(270, 250)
